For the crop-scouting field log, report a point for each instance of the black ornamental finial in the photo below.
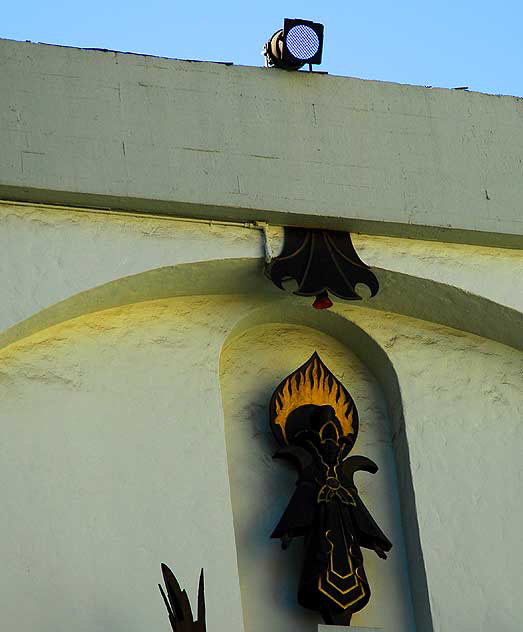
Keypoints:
(321, 261)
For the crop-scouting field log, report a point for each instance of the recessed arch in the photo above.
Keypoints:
(400, 293)
(371, 354)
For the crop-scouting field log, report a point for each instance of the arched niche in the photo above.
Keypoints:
(253, 362)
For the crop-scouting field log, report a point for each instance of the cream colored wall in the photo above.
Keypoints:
(113, 461)
(102, 417)
(51, 254)
(70, 388)
(463, 408)
(61, 263)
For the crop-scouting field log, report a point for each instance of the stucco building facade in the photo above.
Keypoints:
(141, 342)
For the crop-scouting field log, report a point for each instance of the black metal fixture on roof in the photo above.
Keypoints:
(299, 42)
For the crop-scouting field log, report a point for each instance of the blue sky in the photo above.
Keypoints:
(445, 44)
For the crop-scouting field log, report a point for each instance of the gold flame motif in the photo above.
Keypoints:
(313, 383)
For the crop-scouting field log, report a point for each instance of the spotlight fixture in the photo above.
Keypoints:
(299, 42)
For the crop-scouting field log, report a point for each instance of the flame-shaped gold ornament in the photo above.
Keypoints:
(312, 383)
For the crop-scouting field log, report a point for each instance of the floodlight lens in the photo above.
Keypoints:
(302, 41)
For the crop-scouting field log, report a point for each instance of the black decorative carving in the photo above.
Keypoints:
(321, 261)
(178, 605)
(315, 421)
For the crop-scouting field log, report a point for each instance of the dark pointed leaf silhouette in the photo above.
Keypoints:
(178, 604)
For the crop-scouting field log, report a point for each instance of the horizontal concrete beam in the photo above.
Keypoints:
(132, 132)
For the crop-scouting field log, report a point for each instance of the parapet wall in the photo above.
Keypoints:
(132, 132)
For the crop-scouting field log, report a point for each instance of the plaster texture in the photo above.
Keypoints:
(108, 129)
(49, 255)
(110, 387)
(462, 422)
(108, 419)
(115, 462)
(61, 263)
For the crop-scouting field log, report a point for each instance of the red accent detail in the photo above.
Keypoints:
(322, 301)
